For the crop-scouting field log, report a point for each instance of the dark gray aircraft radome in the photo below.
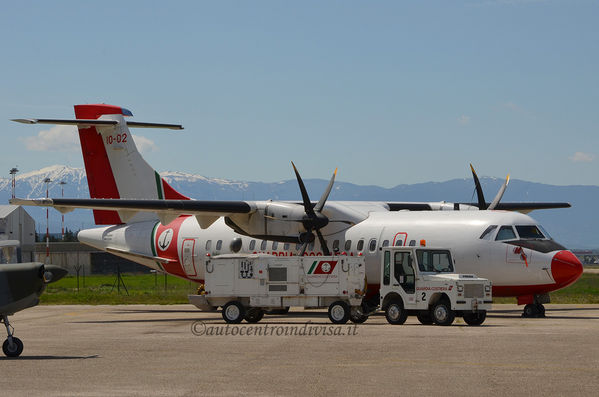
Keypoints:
(21, 285)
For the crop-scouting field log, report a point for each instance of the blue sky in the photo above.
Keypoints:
(389, 92)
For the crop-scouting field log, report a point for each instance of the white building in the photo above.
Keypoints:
(17, 224)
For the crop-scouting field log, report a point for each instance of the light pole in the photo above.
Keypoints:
(47, 182)
(13, 172)
(62, 183)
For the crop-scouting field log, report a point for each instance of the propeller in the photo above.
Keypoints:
(314, 219)
(482, 204)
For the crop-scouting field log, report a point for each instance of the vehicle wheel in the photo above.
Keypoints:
(233, 312)
(339, 312)
(442, 313)
(356, 315)
(254, 315)
(395, 312)
(16, 350)
(425, 317)
(475, 318)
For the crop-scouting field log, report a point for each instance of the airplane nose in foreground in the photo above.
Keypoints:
(57, 272)
(565, 268)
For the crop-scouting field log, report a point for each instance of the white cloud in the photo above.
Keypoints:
(144, 145)
(62, 138)
(464, 120)
(581, 157)
(65, 138)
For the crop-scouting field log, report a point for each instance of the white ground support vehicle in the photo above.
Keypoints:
(421, 281)
(248, 285)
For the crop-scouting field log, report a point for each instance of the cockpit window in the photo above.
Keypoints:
(488, 232)
(438, 261)
(529, 232)
(505, 233)
(547, 235)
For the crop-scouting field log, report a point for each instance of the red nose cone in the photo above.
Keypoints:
(566, 268)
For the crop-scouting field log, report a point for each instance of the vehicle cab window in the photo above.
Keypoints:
(505, 233)
(404, 272)
(438, 261)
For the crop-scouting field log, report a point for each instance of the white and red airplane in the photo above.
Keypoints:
(153, 224)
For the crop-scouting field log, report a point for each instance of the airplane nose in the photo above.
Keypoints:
(56, 271)
(565, 268)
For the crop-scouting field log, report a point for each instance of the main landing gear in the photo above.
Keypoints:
(12, 346)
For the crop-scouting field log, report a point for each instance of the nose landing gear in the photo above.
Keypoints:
(12, 346)
(536, 308)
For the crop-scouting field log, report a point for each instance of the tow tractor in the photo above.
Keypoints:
(421, 281)
(247, 286)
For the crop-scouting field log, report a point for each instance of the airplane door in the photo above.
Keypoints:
(188, 257)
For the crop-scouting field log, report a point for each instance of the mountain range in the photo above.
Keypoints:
(576, 227)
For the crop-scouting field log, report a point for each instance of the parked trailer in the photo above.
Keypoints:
(246, 286)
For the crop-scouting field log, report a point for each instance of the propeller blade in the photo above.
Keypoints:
(499, 194)
(325, 194)
(305, 197)
(323, 243)
(482, 204)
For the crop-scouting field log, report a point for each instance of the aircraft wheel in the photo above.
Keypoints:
(533, 311)
(254, 315)
(15, 350)
(356, 315)
(339, 312)
(442, 313)
(540, 310)
(425, 317)
(475, 318)
(233, 312)
(395, 312)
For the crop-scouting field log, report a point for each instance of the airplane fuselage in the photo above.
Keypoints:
(516, 266)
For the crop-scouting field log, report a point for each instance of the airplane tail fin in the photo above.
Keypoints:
(115, 168)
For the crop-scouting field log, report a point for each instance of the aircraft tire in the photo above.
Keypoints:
(233, 312)
(254, 314)
(425, 317)
(339, 312)
(395, 312)
(442, 313)
(476, 318)
(16, 350)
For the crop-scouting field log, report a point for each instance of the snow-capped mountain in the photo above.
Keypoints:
(575, 227)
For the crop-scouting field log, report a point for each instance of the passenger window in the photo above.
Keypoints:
(372, 245)
(286, 246)
(263, 245)
(335, 245)
(275, 245)
(298, 246)
(488, 232)
(360, 246)
(385, 243)
(311, 246)
(219, 245)
(208, 245)
(505, 233)
(252, 245)
(348, 245)
(398, 242)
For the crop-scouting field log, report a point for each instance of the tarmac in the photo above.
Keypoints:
(178, 351)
